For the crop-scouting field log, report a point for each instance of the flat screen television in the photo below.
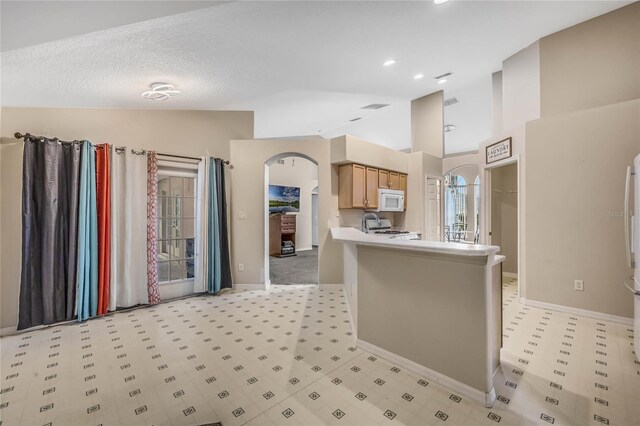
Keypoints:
(284, 199)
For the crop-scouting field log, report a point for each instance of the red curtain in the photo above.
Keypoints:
(103, 197)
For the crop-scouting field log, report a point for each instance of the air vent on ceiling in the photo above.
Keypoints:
(443, 75)
(375, 106)
(450, 101)
(356, 119)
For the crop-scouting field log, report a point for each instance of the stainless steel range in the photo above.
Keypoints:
(382, 227)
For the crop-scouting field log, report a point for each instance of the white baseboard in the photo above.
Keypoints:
(578, 311)
(249, 286)
(8, 331)
(354, 328)
(485, 398)
(332, 286)
(303, 249)
(510, 274)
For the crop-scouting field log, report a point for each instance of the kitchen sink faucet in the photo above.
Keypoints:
(366, 216)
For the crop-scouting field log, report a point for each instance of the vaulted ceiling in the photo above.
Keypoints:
(305, 67)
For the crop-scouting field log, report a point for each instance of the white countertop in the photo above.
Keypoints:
(353, 235)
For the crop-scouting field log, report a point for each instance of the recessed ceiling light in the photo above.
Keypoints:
(418, 76)
(442, 81)
(440, 1)
(389, 62)
(160, 92)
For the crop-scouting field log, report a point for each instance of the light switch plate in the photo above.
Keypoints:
(578, 285)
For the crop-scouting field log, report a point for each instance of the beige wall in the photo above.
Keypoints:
(504, 214)
(591, 64)
(427, 122)
(301, 173)
(521, 87)
(496, 103)
(248, 206)
(575, 175)
(421, 291)
(195, 133)
(349, 149)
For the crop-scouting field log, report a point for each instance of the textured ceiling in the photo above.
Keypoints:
(302, 66)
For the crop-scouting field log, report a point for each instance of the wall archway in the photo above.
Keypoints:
(466, 189)
(302, 234)
(249, 159)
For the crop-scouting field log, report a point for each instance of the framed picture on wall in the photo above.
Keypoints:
(499, 150)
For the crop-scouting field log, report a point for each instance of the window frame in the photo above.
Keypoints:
(167, 171)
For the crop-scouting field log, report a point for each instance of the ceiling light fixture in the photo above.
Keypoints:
(389, 62)
(160, 92)
(418, 76)
(442, 81)
(440, 1)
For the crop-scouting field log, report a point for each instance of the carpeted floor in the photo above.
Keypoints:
(300, 269)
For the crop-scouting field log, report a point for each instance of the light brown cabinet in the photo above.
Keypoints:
(282, 232)
(383, 179)
(358, 187)
(371, 201)
(394, 180)
(388, 180)
(403, 187)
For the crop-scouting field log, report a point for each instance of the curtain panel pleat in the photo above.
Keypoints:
(50, 189)
(129, 285)
(103, 200)
(218, 262)
(87, 267)
(152, 228)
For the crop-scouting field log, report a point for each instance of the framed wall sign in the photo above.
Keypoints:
(499, 150)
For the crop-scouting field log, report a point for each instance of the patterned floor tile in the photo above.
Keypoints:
(287, 356)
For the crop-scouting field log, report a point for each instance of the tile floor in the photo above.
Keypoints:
(287, 356)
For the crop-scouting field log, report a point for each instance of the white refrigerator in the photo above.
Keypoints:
(632, 234)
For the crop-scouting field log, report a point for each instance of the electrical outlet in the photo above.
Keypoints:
(241, 267)
(578, 285)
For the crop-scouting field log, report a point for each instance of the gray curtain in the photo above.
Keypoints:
(50, 190)
(218, 262)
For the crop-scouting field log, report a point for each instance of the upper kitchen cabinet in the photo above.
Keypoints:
(394, 180)
(383, 179)
(403, 187)
(389, 180)
(372, 188)
(358, 187)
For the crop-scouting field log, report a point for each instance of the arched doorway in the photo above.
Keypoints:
(462, 201)
(291, 184)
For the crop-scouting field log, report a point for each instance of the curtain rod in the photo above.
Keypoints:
(120, 149)
(19, 135)
(227, 162)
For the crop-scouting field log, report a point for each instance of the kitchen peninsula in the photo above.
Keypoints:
(432, 307)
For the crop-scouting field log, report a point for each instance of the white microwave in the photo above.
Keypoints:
(390, 200)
